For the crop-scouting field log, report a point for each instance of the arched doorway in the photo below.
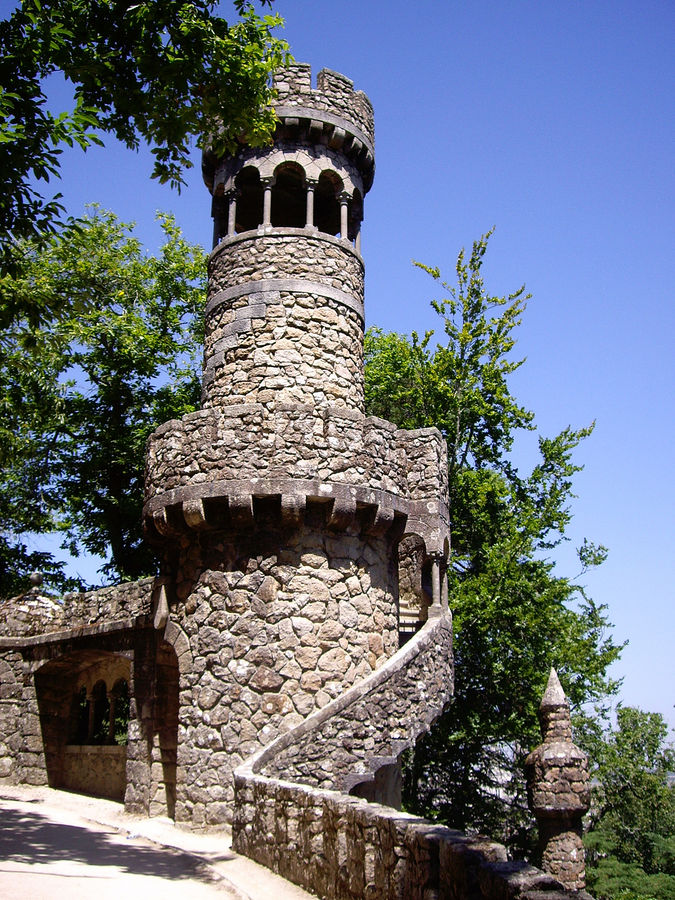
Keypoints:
(83, 700)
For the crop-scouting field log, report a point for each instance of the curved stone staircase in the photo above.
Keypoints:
(295, 815)
(368, 726)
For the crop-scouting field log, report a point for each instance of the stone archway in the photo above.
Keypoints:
(83, 735)
(415, 587)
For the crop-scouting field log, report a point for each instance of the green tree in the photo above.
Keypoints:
(82, 393)
(631, 840)
(159, 71)
(514, 616)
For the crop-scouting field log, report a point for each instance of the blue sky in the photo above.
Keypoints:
(552, 122)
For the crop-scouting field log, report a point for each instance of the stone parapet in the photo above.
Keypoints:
(298, 454)
(346, 848)
(250, 441)
(334, 93)
(370, 725)
(97, 770)
(37, 614)
(333, 114)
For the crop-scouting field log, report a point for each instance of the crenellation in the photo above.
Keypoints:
(334, 93)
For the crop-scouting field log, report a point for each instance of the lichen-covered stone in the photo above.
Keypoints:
(558, 789)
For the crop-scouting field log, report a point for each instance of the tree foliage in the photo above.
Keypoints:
(631, 840)
(514, 615)
(159, 71)
(82, 393)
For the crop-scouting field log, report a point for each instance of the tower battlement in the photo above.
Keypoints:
(334, 93)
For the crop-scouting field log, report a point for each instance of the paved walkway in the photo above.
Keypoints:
(54, 842)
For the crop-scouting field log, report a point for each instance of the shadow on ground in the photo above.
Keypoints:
(31, 838)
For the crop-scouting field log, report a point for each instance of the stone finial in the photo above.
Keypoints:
(558, 790)
(36, 579)
(554, 712)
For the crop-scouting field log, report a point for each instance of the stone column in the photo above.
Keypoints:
(231, 213)
(344, 216)
(90, 723)
(267, 201)
(218, 213)
(558, 790)
(309, 220)
(112, 703)
(436, 581)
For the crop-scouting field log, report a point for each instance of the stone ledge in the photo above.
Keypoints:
(428, 517)
(68, 634)
(256, 290)
(280, 232)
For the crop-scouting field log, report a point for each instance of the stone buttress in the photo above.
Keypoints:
(279, 506)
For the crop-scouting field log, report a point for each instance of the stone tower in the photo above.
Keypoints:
(279, 507)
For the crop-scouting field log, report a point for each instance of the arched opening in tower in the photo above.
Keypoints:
(355, 215)
(326, 203)
(415, 590)
(289, 199)
(249, 200)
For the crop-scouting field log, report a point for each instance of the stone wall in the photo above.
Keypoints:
(36, 613)
(277, 627)
(19, 723)
(95, 770)
(250, 442)
(284, 321)
(346, 848)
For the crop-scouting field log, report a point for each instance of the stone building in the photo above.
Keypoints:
(298, 638)
(277, 509)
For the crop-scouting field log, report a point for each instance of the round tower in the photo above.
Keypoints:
(284, 316)
(278, 506)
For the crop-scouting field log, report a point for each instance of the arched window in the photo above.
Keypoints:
(355, 215)
(119, 712)
(79, 718)
(289, 198)
(326, 203)
(249, 200)
(101, 714)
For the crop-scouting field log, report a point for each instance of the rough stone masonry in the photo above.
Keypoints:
(302, 544)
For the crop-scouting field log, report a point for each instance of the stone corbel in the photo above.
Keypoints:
(161, 522)
(292, 510)
(241, 510)
(384, 519)
(343, 513)
(194, 514)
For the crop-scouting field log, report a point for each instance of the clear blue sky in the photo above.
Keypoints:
(552, 122)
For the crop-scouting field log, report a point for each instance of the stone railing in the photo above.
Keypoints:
(293, 813)
(365, 729)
